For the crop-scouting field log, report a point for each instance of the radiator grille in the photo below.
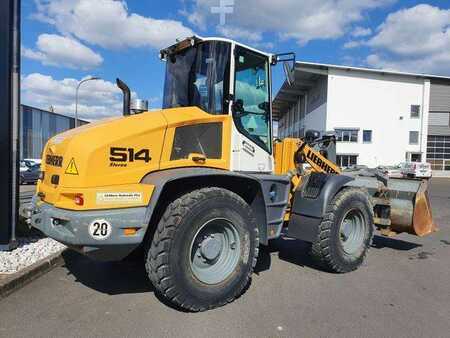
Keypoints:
(314, 185)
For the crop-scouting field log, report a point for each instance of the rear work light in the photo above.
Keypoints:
(79, 200)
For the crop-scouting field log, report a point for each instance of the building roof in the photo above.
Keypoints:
(307, 73)
(299, 64)
(53, 113)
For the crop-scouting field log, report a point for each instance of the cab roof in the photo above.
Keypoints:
(191, 41)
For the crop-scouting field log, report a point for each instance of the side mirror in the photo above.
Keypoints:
(289, 73)
(311, 136)
(289, 70)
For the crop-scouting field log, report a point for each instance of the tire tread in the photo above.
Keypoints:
(320, 249)
(157, 264)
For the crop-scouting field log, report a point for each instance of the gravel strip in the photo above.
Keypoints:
(28, 252)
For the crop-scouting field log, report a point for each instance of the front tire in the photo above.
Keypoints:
(345, 233)
(204, 249)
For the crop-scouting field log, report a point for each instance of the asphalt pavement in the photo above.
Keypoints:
(403, 290)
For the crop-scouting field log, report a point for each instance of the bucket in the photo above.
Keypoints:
(410, 207)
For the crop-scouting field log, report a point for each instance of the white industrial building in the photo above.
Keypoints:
(379, 117)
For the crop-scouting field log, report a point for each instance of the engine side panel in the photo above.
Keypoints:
(275, 189)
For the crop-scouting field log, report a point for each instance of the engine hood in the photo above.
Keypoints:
(114, 155)
(93, 154)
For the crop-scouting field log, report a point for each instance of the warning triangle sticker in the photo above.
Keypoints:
(72, 168)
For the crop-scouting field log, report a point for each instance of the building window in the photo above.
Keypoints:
(345, 161)
(346, 135)
(438, 152)
(416, 157)
(367, 136)
(413, 137)
(415, 111)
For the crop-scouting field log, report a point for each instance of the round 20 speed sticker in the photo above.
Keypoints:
(100, 229)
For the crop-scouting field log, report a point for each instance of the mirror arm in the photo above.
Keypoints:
(288, 70)
(284, 57)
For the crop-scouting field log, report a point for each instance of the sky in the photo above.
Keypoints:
(65, 41)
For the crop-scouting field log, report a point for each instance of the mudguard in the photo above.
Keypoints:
(268, 210)
(310, 202)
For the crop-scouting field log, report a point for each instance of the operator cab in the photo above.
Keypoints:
(221, 76)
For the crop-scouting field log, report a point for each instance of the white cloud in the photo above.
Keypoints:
(97, 99)
(302, 20)
(438, 64)
(419, 30)
(109, 24)
(60, 51)
(352, 44)
(416, 39)
(238, 33)
(360, 32)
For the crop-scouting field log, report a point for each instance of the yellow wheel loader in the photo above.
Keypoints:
(200, 184)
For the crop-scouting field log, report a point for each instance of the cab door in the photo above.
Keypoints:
(251, 109)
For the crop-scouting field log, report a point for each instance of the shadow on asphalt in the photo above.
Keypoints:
(108, 277)
(297, 252)
(290, 250)
(130, 277)
(381, 242)
(115, 278)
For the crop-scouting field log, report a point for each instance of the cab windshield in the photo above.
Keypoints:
(198, 76)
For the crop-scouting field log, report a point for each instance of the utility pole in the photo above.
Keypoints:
(9, 120)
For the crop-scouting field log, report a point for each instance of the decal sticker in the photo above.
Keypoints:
(100, 229)
(72, 168)
(54, 160)
(119, 157)
(248, 148)
(119, 197)
(318, 161)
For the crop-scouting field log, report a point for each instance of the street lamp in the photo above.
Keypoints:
(76, 95)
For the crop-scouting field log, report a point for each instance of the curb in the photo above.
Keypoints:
(12, 282)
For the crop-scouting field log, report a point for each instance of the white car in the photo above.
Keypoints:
(33, 160)
(28, 163)
(417, 170)
(23, 166)
(392, 170)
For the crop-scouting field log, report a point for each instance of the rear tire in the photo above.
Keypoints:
(204, 249)
(345, 233)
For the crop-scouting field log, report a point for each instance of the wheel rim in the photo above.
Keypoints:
(215, 251)
(352, 231)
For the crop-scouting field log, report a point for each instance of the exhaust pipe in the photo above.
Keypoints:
(126, 96)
